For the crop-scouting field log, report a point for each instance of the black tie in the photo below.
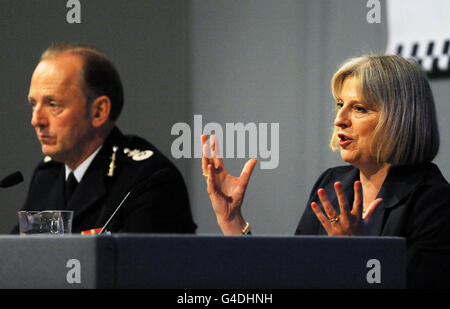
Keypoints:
(71, 184)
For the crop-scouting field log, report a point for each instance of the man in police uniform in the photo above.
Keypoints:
(89, 165)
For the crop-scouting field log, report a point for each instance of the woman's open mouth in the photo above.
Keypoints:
(344, 140)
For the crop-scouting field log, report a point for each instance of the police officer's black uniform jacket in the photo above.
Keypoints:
(161, 207)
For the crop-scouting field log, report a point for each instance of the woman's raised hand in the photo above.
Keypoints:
(225, 191)
(348, 222)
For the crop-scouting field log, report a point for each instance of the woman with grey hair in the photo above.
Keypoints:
(386, 128)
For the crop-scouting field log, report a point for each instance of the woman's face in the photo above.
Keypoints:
(355, 123)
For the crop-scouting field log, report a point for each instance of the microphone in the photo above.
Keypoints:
(11, 180)
(138, 189)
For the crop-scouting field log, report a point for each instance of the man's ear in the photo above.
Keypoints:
(100, 109)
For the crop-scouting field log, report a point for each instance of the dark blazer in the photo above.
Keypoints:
(416, 205)
(161, 207)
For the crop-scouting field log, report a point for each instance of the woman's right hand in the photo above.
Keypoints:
(225, 191)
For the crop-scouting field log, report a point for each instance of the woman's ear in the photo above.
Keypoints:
(100, 110)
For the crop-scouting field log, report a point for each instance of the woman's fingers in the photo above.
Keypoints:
(210, 154)
(371, 208)
(206, 155)
(204, 139)
(343, 205)
(242, 181)
(215, 151)
(247, 171)
(329, 210)
(357, 202)
(211, 181)
(348, 222)
(321, 216)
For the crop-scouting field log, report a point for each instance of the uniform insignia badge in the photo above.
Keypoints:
(142, 155)
(47, 159)
(112, 164)
(139, 155)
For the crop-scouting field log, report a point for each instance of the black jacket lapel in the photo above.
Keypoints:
(55, 197)
(400, 181)
(95, 183)
(89, 191)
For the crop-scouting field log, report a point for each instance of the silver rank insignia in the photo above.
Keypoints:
(112, 164)
(139, 155)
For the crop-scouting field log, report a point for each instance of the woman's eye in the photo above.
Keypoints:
(339, 105)
(360, 109)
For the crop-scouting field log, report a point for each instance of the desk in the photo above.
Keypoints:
(201, 262)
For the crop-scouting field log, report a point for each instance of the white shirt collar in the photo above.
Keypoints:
(82, 168)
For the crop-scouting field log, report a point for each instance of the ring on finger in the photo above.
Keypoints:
(334, 219)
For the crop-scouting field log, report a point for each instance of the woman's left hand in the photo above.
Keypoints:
(348, 222)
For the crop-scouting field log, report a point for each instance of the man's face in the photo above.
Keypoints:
(60, 115)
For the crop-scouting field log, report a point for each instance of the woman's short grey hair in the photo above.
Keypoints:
(407, 132)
